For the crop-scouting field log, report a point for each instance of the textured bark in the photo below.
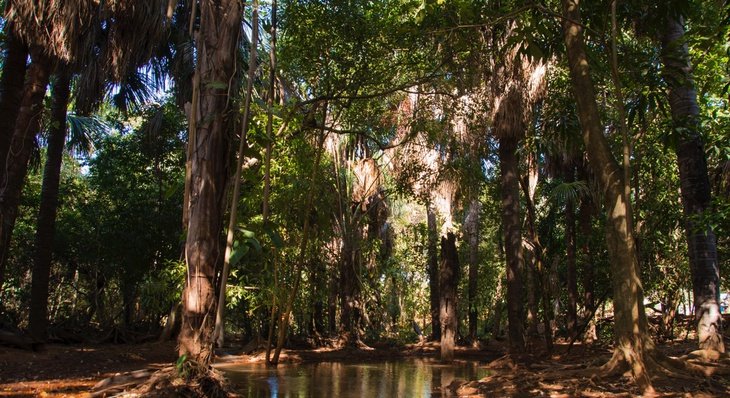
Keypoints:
(694, 185)
(433, 274)
(633, 344)
(585, 214)
(220, 23)
(511, 222)
(38, 317)
(471, 225)
(571, 278)
(11, 94)
(219, 330)
(531, 286)
(350, 265)
(533, 253)
(448, 285)
(11, 87)
(26, 129)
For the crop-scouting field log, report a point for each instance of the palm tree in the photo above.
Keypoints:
(77, 46)
(694, 184)
(38, 318)
(27, 126)
(517, 84)
(11, 94)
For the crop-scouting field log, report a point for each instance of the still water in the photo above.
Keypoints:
(403, 378)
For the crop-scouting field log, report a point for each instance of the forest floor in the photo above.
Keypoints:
(72, 370)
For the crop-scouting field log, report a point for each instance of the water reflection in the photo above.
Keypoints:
(406, 378)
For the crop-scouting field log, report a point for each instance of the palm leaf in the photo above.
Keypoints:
(570, 192)
(83, 131)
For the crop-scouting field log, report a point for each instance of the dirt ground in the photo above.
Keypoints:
(71, 370)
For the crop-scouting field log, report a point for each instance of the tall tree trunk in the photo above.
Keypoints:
(571, 278)
(26, 129)
(448, 285)
(332, 302)
(11, 94)
(350, 268)
(633, 345)
(38, 317)
(11, 87)
(219, 330)
(533, 248)
(585, 214)
(509, 180)
(694, 185)
(220, 24)
(531, 286)
(433, 272)
(472, 228)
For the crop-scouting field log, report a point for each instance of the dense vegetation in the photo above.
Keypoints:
(350, 172)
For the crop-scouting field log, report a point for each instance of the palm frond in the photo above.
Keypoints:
(136, 90)
(83, 131)
(569, 192)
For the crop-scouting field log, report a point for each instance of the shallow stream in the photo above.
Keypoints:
(386, 379)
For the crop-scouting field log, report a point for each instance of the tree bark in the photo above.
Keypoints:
(219, 330)
(471, 225)
(571, 278)
(448, 285)
(38, 317)
(633, 344)
(350, 270)
(11, 94)
(27, 126)
(11, 87)
(220, 24)
(585, 214)
(533, 262)
(433, 273)
(509, 180)
(694, 185)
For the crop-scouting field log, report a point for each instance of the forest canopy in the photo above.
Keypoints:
(345, 173)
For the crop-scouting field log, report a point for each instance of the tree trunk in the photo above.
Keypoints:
(531, 244)
(332, 303)
(531, 285)
(220, 24)
(448, 285)
(571, 278)
(26, 128)
(350, 265)
(508, 164)
(433, 273)
(472, 228)
(633, 344)
(694, 185)
(38, 317)
(219, 330)
(11, 94)
(585, 214)
(11, 87)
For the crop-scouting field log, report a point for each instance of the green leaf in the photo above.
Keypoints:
(239, 250)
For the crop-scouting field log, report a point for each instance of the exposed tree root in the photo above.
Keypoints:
(188, 379)
(653, 369)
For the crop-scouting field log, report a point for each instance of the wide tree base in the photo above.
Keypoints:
(596, 372)
(183, 380)
(651, 366)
